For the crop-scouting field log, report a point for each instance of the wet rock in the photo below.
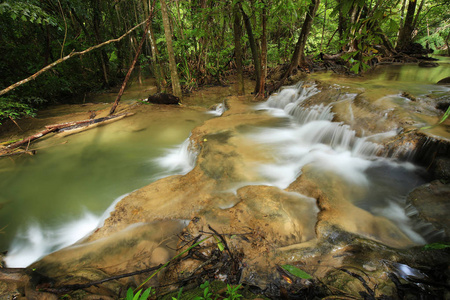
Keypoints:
(163, 98)
(443, 104)
(428, 64)
(409, 96)
(432, 203)
(440, 168)
(445, 80)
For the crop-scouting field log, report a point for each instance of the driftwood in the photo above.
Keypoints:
(8, 150)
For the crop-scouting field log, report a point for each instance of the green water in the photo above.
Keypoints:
(391, 79)
(86, 171)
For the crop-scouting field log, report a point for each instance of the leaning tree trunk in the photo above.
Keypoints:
(172, 64)
(298, 58)
(127, 77)
(306, 28)
(262, 82)
(253, 47)
(238, 50)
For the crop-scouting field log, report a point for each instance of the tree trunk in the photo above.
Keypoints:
(405, 34)
(172, 64)
(323, 27)
(447, 39)
(102, 57)
(127, 77)
(298, 58)
(262, 83)
(306, 28)
(238, 50)
(253, 47)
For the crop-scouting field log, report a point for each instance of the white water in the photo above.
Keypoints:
(178, 160)
(34, 240)
(309, 137)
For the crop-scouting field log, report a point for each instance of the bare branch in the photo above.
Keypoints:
(72, 54)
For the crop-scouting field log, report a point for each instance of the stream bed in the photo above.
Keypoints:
(298, 177)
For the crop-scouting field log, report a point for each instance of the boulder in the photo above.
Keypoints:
(445, 80)
(163, 98)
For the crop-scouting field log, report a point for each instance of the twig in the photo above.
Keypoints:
(71, 287)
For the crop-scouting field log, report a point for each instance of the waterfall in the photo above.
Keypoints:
(310, 137)
(178, 160)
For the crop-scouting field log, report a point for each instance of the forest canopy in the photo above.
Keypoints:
(199, 42)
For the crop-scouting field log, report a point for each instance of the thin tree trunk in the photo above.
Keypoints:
(324, 23)
(238, 50)
(447, 43)
(262, 83)
(253, 47)
(299, 57)
(306, 28)
(172, 64)
(160, 67)
(127, 77)
(103, 58)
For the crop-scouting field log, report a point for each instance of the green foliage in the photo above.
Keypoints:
(232, 292)
(207, 294)
(137, 296)
(437, 246)
(296, 272)
(26, 11)
(11, 108)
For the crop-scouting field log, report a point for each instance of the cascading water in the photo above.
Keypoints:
(309, 137)
(178, 160)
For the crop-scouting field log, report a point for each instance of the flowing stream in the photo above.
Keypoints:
(55, 198)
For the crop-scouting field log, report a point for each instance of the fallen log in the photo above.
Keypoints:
(8, 150)
(29, 139)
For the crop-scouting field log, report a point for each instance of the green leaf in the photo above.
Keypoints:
(219, 244)
(296, 272)
(136, 297)
(129, 294)
(436, 246)
(355, 68)
(146, 294)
